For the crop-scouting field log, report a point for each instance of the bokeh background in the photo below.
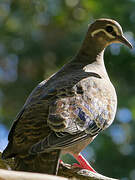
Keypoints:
(37, 37)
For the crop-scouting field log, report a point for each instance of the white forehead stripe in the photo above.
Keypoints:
(99, 30)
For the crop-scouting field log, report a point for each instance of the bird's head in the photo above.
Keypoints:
(107, 31)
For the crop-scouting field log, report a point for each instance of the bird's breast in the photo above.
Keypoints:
(97, 103)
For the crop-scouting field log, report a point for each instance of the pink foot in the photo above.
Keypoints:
(83, 163)
(60, 161)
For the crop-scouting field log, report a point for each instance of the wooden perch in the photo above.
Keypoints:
(66, 171)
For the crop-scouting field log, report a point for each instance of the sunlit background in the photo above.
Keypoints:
(38, 37)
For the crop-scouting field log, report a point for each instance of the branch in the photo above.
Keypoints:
(65, 170)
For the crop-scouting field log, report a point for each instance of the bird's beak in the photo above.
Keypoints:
(123, 40)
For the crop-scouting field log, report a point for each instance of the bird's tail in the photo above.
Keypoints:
(41, 163)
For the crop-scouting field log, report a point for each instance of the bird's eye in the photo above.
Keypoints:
(109, 29)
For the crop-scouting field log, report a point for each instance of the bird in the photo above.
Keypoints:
(65, 113)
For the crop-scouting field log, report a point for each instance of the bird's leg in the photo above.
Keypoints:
(83, 163)
(60, 161)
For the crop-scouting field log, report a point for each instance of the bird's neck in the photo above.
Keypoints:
(90, 51)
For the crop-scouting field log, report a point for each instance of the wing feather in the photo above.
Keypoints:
(73, 119)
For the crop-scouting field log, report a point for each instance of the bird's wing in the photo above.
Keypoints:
(75, 118)
(30, 125)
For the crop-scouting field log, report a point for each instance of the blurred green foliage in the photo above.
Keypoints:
(38, 36)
